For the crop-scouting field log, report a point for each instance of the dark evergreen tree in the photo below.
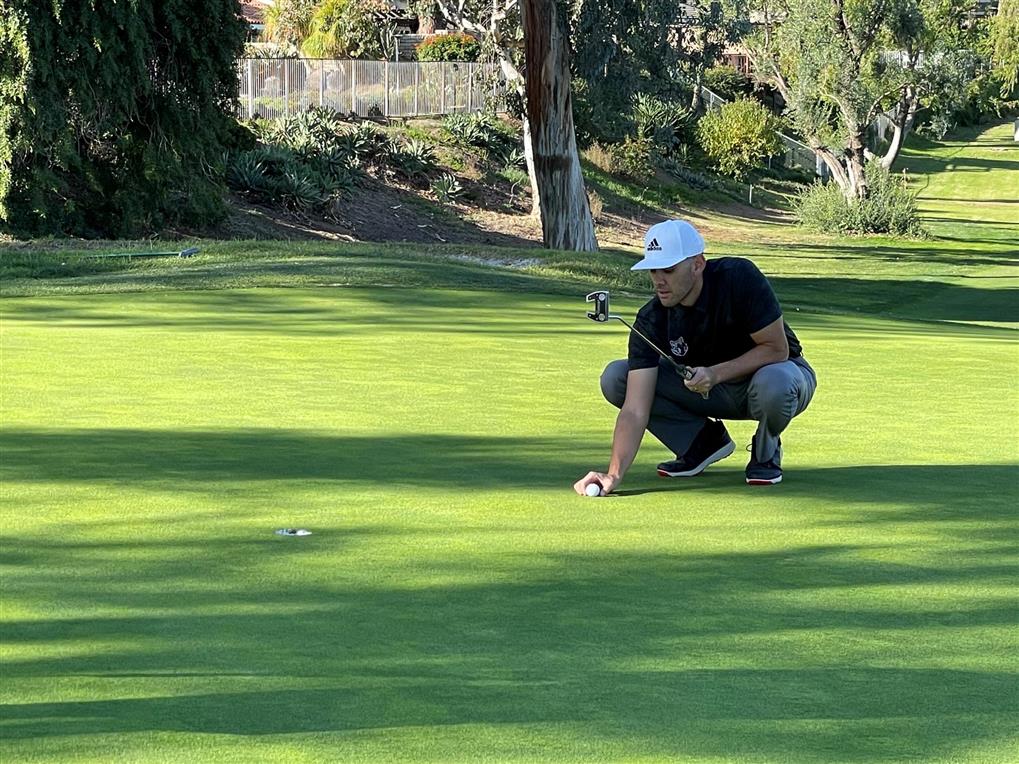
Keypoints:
(114, 116)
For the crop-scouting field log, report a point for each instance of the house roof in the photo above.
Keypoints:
(253, 11)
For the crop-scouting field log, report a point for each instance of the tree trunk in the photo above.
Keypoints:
(532, 175)
(565, 215)
(856, 163)
(905, 114)
(697, 98)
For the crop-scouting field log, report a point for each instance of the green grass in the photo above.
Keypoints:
(457, 601)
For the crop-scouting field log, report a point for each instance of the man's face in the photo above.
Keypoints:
(674, 284)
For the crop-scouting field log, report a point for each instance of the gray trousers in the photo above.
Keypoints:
(772, 396)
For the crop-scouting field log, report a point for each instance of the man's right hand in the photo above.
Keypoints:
(606, 481)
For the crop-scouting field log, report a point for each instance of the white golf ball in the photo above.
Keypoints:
(593, 489)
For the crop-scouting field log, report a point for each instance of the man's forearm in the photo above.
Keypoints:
(749, 362)
(625, 441)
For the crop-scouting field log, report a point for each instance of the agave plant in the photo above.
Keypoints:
(245, 172)
(514, 158)
(446, 188)
(298, 191)
(658, 120)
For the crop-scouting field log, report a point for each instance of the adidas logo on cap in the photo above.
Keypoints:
(654, 246)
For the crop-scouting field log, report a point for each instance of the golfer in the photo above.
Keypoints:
(721, 318)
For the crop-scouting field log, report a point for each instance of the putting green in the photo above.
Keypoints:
(456, 600)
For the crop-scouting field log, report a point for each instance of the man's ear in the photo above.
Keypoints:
(698, 264)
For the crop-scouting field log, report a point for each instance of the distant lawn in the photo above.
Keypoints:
(425, 416)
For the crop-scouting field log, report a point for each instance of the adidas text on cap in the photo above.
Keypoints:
(669, 243)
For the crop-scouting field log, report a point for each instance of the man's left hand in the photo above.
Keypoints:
(703, 379)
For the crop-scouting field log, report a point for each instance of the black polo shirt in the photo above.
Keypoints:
(736, 301)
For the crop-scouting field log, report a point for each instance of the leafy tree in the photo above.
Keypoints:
(840, 63)
(708, 28)
(115, 116)
(348, 29)
(289, 21)
(621, 48)
(1004, 40)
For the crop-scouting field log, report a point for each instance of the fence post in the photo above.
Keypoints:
(321, 82)
(385, 88)
(442, 99)
(470, 89)
(251, 88)
(417, 83)
(353, 87)
(286, 88)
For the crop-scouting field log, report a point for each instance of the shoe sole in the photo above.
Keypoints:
(764, 481)
(720, 454)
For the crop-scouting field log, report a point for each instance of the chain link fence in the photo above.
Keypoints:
(276, 87)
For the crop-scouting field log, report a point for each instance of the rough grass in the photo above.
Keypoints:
(425, 417)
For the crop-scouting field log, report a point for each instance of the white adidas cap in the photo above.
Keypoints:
(669, 243)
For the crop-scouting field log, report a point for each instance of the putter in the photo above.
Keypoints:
(602, 315)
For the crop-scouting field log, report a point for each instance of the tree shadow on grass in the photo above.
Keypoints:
(712, 655)
(195, 460)
(669, 654)
(310, 312)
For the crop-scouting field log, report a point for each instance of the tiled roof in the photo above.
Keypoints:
(253, 11)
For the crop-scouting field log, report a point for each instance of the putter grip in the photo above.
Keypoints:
(686, 373)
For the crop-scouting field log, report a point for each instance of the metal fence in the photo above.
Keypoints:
(275, 87)
(796, 154)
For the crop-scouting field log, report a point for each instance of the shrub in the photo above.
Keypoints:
(449, 47)
(890, 207)
(601, 156)
(636, 158)
(738, 136)
(727, 82)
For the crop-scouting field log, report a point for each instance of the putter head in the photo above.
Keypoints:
(601, 306)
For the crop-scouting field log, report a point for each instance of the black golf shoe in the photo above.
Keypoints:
(712, 444)
(764, 473)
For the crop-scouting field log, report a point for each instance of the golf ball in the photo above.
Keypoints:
(593, 489)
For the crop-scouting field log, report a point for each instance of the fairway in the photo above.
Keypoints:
(456, 600)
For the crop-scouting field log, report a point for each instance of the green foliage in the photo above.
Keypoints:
(449, 47)
(727, 82)
(661, 121)
(115, 116)
(890, 207)
(482, 131)
(738, 136)
(447, 188)
(636, 158)
(289, 21)
(347, 29)
(1004, 44)
(620, 48)
(414, 158)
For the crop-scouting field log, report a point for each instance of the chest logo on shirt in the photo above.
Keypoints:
(679, 347)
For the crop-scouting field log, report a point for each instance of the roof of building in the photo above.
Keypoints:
(253, 11)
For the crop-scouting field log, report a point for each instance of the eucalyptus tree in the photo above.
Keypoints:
(565, 214)
(498, 24)
(840, 63)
